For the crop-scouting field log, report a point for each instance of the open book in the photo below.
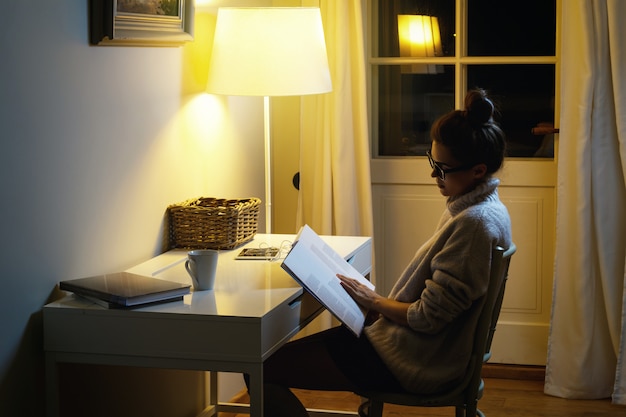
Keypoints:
(315, 265)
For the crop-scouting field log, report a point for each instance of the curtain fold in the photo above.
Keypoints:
(587, 343)
(335, 187)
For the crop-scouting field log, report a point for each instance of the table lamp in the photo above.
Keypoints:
(268, 51)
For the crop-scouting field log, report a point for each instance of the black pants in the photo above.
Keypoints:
(332, 360)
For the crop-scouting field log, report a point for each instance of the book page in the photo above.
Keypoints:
(315, 265)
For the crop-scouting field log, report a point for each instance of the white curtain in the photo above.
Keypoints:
(587, 344)
(335, 189)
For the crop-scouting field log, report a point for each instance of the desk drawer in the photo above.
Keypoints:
(361, 260)
(287, 320)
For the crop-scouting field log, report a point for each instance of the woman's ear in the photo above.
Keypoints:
(479, 171)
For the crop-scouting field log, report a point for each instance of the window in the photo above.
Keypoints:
(507, 48)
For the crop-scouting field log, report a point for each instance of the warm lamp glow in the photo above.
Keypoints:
(273, 51)
(419, 36)
(269, 51)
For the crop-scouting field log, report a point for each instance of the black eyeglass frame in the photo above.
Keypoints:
(441, 172)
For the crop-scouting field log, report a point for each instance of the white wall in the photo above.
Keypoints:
(96, 142)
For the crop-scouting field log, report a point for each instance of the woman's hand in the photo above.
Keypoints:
(395, 311)
(362, 294)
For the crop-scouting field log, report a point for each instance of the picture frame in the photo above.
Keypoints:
(141, 22)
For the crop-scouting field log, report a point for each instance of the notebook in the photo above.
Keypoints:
(126, 289)
(315, 265)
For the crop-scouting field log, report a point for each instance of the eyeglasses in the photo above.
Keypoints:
(441, 172)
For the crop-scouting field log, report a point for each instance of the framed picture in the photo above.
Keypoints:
(141, 22)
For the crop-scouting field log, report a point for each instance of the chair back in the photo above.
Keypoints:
(499, 269)
(488, 320)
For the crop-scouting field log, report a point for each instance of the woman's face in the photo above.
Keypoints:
(458, 182)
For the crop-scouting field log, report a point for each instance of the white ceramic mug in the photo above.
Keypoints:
(201, 265)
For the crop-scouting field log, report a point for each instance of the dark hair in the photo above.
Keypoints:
(471, 135)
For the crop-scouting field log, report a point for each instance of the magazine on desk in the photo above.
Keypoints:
(315, 265)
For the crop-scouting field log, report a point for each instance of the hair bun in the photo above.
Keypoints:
(478, 107)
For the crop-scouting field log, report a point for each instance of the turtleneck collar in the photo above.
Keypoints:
(483, 191)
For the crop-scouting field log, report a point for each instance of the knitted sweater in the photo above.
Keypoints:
(446, 282)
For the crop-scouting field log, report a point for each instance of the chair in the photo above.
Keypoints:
(464, 397)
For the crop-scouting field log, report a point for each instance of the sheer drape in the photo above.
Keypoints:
(335, 190)
(587, 345)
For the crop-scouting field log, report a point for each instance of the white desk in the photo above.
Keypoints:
(255, 308)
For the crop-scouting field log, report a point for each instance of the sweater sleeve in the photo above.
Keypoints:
(459, 276)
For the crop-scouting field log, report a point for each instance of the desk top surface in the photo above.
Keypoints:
(243, 288)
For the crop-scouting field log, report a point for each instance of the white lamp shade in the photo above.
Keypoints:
(271, 51)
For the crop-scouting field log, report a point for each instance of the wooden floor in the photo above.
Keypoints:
(502, 398)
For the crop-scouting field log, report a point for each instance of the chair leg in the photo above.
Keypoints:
(371, 409)
(470, 410)
(364, 407)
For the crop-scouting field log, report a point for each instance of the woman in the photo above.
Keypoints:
(418, 338)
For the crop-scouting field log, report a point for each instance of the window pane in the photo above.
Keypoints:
(388, 11)
(408, 104)
(524, 96)
(511, 28)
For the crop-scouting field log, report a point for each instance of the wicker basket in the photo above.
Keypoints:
(212, 223)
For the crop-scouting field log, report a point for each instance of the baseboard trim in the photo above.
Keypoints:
(523, 372)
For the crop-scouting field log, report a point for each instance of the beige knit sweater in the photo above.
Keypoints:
(445, 282)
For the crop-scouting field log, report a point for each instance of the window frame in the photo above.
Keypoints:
(461, 61)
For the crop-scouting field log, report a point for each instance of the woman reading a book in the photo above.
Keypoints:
(416, 340)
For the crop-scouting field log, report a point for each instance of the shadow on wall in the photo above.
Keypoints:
(130, 390)
(26, 371)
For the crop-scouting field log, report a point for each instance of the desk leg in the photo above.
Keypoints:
(52, 385)
(211, 378)
(256, 391)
